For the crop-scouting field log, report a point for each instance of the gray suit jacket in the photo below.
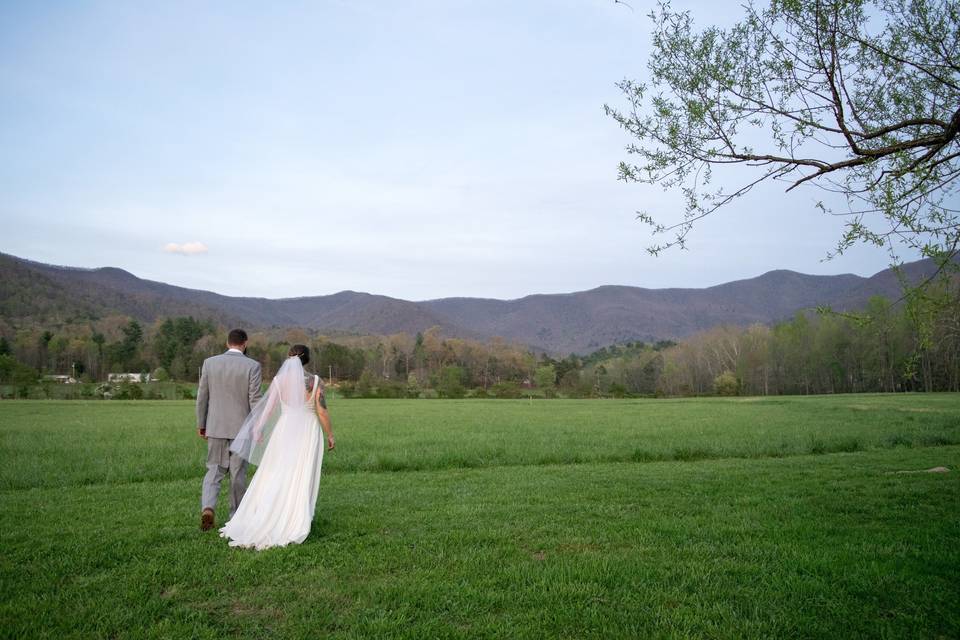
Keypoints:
(229, 387)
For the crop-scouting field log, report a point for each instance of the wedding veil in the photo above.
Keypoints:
(286, 393)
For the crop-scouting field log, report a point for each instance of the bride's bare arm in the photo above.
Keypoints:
(321, 405)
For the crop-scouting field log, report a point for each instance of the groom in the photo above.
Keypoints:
(229, 387)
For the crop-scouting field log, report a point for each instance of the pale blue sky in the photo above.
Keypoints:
(416, 149)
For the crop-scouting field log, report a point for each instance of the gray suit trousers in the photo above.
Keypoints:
(221, 461)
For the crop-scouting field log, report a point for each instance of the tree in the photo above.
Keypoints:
(175, 340)
(44, 346)
(126, 350)
(345, 362)
(55, 351)
(726, 384)
(545, 377)
(860, 97)
(450, 382)
(15, 373)
(364, 387)
(413, 386)
(99, 339)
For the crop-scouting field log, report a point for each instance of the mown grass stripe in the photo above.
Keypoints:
(115, 442)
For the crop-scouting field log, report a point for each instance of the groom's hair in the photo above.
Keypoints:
(237, 337)
(301, 351)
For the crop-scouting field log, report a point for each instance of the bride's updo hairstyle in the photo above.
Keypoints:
(301, 351)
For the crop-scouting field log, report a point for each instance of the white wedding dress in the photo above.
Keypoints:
(278, 506)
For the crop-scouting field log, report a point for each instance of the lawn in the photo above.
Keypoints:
(780, 517)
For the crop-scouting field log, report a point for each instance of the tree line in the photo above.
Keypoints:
(911, 346)
(914, 346)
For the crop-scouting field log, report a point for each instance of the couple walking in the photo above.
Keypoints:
(279, 432)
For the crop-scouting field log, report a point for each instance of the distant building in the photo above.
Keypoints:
(60, 379)
(128, 377)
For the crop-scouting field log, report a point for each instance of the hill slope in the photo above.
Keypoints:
(587, 320)
(31, 292)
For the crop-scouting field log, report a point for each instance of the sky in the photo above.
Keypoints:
(419, 150)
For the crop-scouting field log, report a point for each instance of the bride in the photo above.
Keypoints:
(282, 437)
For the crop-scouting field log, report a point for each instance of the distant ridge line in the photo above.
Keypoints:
(558, 323)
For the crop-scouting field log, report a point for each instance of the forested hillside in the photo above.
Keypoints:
(34, 294)
(914, 345)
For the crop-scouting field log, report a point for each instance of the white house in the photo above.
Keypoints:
(128, 377)
(61, 379)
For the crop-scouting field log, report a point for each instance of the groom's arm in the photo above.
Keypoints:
(203, 400)
(254, 392)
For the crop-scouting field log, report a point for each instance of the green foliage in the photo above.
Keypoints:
(346, 362)
(174, 346)
(450, 383)
(912, 345)
(545, 377)
(126, 351)
(859, 98)
(576, 384)
(370, 386)
(506, 390)
(365, 385)
(726, 384)
(907, 347)
(128, 391)
(390, 389)
(617, 390)
(16, 374)
(413, 386)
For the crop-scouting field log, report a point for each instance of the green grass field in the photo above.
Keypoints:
(730, 518)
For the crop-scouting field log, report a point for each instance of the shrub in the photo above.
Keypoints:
(38, 392)
(450, 383)
(413, 386)
(506, 390)
(129, 391)
(365, 385)
(726, 384)
(17, 375)
(545, 377)
(617, 390)
(388, 389)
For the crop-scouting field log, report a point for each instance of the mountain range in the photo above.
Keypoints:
(580, 322)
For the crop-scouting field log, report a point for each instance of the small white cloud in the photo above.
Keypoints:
(186, 249)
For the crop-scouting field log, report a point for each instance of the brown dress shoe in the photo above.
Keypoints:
(206, 520)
